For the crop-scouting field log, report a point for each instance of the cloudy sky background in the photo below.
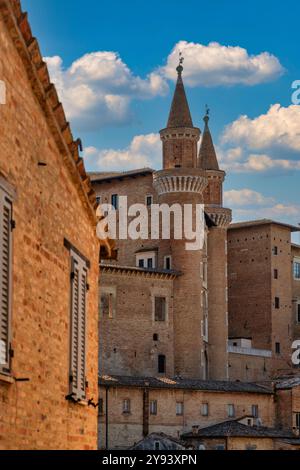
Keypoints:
(114, 66)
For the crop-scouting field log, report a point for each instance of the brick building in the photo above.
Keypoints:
(164, 312)
(144, 331)
(136, 407)
(264, 294)
(48, 317)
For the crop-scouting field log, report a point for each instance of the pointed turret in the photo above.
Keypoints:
(207, 155)
(180, 138)
(180, 115)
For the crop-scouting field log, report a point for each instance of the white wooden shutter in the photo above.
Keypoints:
(78, 328)
(5, 280)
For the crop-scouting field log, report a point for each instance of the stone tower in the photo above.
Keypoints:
(181, 181)
(217, 257)
(200, 318)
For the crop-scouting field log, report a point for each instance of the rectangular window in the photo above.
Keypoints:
(79, 287)
(115, 201)
(298, 421)
(168, 263)
(160, 309)
(179, 408)
(277, 303)
(141, 263)
(277, 348)
(150, 263)
(255, 411)
(231, 411)
(275, 250)
(296, 270)
(153, 407)
(107, 305)
(161, 364)
(275, 273)
(205, 409)
(6, 227)
(149, 200)
(126, 406)
(298, 312)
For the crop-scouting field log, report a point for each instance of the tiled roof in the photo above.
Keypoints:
(207, 155)
(235, 429)
(287, 384)
(45, 92)
(187, 384)
(254, 223)
(180, 115)
(160, 436)
(98, 177)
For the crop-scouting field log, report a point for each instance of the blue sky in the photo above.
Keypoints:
(113, 64)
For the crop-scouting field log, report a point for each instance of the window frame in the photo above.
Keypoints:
(168, 258)
(296, 261)
(153, 407)
(179, 408)
(126, 409)
(78, 383)
(231, 410)
(115, 201)
(205, 410)
(164, 316)
(7, 197)
(161, 357)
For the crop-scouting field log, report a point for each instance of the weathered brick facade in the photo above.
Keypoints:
(261, 293)
(40, 162)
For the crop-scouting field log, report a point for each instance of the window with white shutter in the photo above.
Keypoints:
(6, 227)
(79, 289)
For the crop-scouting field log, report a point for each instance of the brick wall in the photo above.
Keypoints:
(125, 430)
(35, 414)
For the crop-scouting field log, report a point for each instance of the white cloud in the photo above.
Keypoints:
(279, 127)
(143, 151)
(215, 64)
(267, 143)
(245, 197)
(97, 89)
(280, 212)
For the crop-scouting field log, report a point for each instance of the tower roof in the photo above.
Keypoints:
(207, 155)
(180, 115)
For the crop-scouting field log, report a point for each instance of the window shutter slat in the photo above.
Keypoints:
(78, 328)
(5, 280)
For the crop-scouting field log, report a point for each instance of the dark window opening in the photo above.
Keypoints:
(275, 250)
(115, 201)
(161, 364)
(155, 337)
(275, 273)
(277, 348)
(141, 263)
(150, 263)
(277, 302)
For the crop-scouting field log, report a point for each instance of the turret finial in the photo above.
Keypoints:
(207, 113)
(180, 66)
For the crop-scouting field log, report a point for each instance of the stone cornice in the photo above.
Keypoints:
(185, 180)
(138, 272)
(219, 215)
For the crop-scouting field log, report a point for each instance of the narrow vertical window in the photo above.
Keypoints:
(277, 348)
(277, 303)
(255, 411)
(179, 408)
(115, 201)
(231, 411)
(161, 364)
(5, 280)
(78, 327)
(153, 407)
(126, 406)
(160, 309)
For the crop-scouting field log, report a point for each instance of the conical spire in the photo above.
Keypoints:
(207, 155)
(180, 115)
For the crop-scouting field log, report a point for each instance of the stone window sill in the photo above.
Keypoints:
(6, 379)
